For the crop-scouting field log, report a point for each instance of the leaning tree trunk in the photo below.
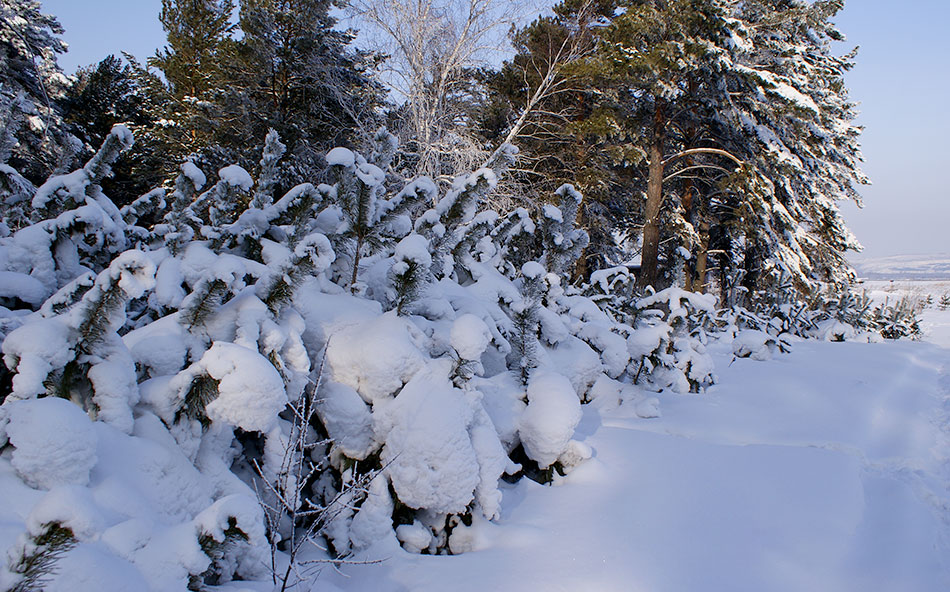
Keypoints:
(651, 214)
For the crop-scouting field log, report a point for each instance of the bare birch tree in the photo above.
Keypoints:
(432, 46)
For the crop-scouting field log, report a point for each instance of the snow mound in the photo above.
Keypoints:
(250, 390)
(428, 451)
(470, 337)
(548, 422)
(376, 368)
(347, 418)
(54, 442)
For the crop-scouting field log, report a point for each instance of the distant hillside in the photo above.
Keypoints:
(905, 267)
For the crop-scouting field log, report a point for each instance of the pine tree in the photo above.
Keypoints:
(106, 94)
(791, 120)
(33, 138)
(293, 72)
(738, 139)
(192, 68)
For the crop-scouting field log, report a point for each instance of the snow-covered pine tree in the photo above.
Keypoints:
(563, 241)
(292, 70)
(790, 119)
(369, 220)
(103, 95)
(33, 137)
(446, 224)
(79, 355)
(33, 559)
(269, 178)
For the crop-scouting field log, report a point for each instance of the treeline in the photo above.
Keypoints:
(714, 138)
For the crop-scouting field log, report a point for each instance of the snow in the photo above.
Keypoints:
(374, 521)
(470, 337)
(377, 370)
(823, 468)
(414, 247)
(54, 442)
(341, 157)
(70, 505)
(193, 174)
(235, 176)
(22, 286)
(243, 509)
(757, 345)
(793, 474)
(347, 418)
(34, 350)
(548, 423)
(428, 453)
(250, 390)
(532, 270)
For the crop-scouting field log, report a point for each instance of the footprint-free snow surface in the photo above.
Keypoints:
(823, 469)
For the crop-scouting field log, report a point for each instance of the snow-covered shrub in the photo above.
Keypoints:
(895, 321)
(668, 343)
(322, 364)
(563, 241)
(759, 345)
(34, 558)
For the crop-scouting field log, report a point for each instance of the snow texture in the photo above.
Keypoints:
(348, 419)
(470, 337)
(548, 422)
(376, 370)
(250, 390)
(235, 176)
(428, 453)
(341, 157)
(54, 442)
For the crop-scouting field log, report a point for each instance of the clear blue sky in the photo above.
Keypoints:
(902, 82)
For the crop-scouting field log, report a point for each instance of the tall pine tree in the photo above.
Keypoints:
(33, 137)
(192, 74)
(295, 73)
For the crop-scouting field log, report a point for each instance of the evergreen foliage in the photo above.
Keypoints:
(34, 139)
(294, 72)
(192, 66)
(39, 556)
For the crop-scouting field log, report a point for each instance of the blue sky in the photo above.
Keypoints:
(902, 82)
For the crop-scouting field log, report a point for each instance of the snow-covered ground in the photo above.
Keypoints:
(925, 296)
(908, 267)
(823, 469)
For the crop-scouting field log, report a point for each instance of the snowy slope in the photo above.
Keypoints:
(825, 469)
(915, 267)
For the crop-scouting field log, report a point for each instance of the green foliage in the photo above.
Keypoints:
(408, 277)
(202, 390)
(525, 326)
(192, 67)
(217, 551)
(896, 321)
(205, 299)
(40, 555)
(563, 242)
(293, 71)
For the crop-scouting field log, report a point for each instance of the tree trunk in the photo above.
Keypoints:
(702, 257)
(651, 214)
